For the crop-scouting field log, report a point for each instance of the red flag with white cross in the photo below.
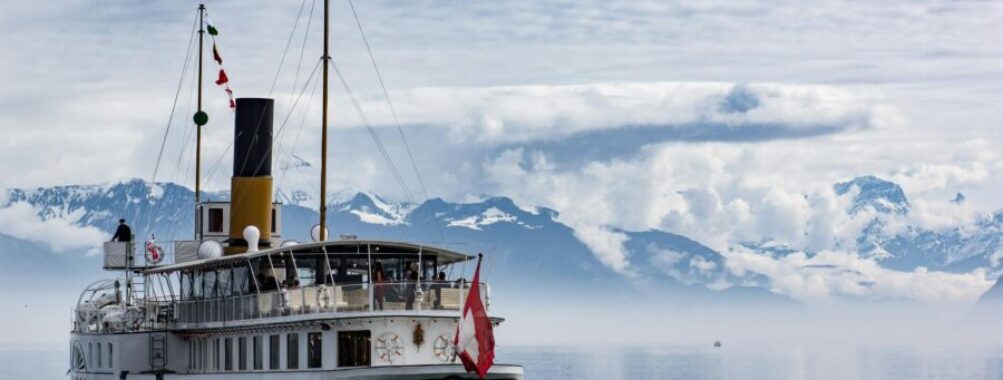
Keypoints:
(475, 340)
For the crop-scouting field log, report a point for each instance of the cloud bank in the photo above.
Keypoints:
(61, 234)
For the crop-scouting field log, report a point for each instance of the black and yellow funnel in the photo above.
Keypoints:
(251, 186)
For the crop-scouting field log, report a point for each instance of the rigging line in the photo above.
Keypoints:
(299, 130)
(374, 135)
(393, 110)
(187, 136)
(289, 43)
(379, 145)
(306, 34)
(306, 114)
(219, 160)
(177, 94)
(386, 94)
(278, 135)
(282, 127)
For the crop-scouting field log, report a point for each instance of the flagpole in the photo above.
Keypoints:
(200, 119)
(323, 126)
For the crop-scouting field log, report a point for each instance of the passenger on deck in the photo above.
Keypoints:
(379, 277)
(411, 276)
(438, 283)
(123, 233)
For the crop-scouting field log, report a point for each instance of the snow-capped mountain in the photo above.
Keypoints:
(955, 249)
(528, 247)
(871, 191)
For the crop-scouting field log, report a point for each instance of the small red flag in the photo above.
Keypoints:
(222, 78)
(233, 104)
(215, 55)
(475, 340)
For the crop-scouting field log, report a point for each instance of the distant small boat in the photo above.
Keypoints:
(717, 343)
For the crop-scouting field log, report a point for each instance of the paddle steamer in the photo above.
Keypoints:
(239, 301)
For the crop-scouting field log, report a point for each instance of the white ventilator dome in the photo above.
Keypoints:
(315, 232)
(289, 243)
(252, 235)
(210, 249)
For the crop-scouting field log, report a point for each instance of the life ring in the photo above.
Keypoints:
(389, 346)
(443, 348)
(323, 297)
(154, 253)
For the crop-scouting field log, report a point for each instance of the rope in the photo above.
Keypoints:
(306, 34)
(286, 50)
(373, 134)
(174, 105)
(393, 110)
(219, 161)
(177, 174)
(379, 144)
(299, 130)
(386, 94)
(299, 64)
(282, 127)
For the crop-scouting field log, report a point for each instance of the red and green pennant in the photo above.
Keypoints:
(222, 79)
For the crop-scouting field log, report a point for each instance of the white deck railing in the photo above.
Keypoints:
(347, 298)
(389, 297)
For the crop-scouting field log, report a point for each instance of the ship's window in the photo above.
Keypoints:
(354, 348)
(274, 224)
(306, 269)
(90, 354)
(314, 350)
(197, 286)
(98, 361)
(257, 352)
(186, 285)
(225, 283)
(428, 269)
(353, 271)
(203, 354)
(292, 351)
(242, 353)
(79, 360)
(111, 360)
(228, 354)
(273, 352)
(209, 284)
(241, 281)
(391, 269)
(215, 220)
(215, 354)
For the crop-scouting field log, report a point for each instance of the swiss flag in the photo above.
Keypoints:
(474, 341)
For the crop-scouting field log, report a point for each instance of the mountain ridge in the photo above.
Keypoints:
(525, 242)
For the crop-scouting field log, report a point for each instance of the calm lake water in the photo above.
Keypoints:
(672, 362)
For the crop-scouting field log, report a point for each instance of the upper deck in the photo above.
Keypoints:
(325, 279)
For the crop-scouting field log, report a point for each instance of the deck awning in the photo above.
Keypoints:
(338, 247)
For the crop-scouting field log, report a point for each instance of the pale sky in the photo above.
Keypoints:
(723, 121)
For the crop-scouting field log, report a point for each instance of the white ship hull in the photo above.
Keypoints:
(403, 372)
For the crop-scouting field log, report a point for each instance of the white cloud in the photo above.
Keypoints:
(831, 273)
(930, 177)
(21, 220)
(519, 114)
(608, 246)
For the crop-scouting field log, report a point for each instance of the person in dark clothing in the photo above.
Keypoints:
(411, 287)
(438, 283)
(123, 233)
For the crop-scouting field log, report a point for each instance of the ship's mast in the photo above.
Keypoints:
(323, 127)
(200, 119)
